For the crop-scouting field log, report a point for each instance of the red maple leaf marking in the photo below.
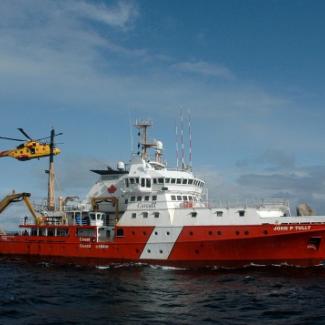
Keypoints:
(112, 189)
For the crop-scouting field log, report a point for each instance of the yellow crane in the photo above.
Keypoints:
(17, 197)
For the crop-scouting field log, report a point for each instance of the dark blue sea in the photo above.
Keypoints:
(42, 293)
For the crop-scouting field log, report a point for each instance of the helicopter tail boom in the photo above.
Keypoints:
(4, 153)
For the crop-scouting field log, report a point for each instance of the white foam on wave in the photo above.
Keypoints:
(166, 268)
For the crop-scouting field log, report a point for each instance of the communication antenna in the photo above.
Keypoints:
(182, 140)
(190, 137)
(177, 162)
(131, 134)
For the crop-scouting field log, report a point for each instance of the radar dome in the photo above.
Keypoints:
(120, 165)
(159, 145)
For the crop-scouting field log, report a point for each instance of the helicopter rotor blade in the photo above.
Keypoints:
(13, 139)
(40, 139)
(24, 133)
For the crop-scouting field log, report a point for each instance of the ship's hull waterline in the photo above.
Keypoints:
(196, 246)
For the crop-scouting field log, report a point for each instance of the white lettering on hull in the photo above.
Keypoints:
(292, 228)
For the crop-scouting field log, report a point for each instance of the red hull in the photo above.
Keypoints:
(196, 246)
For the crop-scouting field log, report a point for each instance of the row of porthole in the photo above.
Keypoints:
(149, 251)
(167, 233)
(156, 233)
(246, 232)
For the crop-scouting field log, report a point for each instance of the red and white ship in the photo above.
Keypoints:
(146, 213)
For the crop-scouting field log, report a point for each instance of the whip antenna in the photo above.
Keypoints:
(190, 137)
(182, 140)
(176, 131)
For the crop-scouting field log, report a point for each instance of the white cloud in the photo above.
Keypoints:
(120, 15)
(207, 69)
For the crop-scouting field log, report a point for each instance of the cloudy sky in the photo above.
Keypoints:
(251, 73)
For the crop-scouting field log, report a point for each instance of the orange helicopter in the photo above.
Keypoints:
(31, 148)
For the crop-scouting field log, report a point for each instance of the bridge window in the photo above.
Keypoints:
(145, 214)
(81, 232)
(155, 180)
(173, 180)
(179, 181)
(139, 198)
(179, 198)
(193, 214)
(190, 181)
(119, 232)
(143, 182)
(146, 198)
(190, 198)
(132, 199)
(62, 232)
(131, 180)
(173, 197)
(127, 182)
(185, 198)
(156, 214)
(160, 181)
(185, 181)
(154, 198)
(134, 215)
(148, 182)
(137, 180)
(219, 213)
(167, 180)
(241, 213)
(126, 201)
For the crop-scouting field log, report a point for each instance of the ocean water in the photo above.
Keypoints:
(42, 293)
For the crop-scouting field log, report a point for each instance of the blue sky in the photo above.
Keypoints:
(251, 73)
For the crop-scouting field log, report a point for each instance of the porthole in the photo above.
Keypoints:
(160, 251)
(144, 233)
(210, 233)
(167, 233)
(149, 251)
(219, 233)
(191, 233)
(237, 232)
(246, 232)
(156, 233)
(265, 232)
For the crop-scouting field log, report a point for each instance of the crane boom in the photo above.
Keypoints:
(17, 197)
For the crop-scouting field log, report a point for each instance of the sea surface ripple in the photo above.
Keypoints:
(42, 293)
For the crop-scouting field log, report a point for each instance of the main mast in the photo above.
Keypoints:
(143, 126)
(51, 179)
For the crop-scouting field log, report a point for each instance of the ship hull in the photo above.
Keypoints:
(195, 246)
